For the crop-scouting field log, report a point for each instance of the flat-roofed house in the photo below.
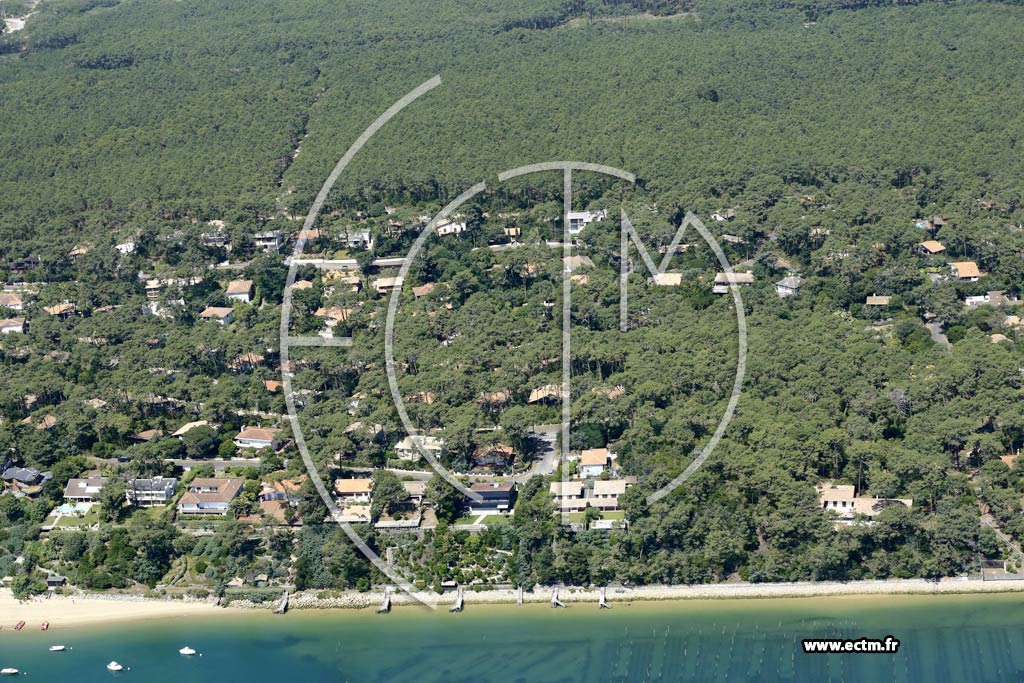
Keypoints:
(220, 314)
(406, 449)
(150, 492)
(578, 220)
(356, 239)
(258, 437)
(210, 496)
(496, 497)
(965, 271)
(548, 392)
(240, 290)
(423, 290)
(12, 326)
(593, 461)
(12, 300)
(84, 490)
(269, 241)
(446, 227)
(877, 300)
(354, 490)
(386, 285)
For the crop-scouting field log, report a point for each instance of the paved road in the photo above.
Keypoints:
(937, 336)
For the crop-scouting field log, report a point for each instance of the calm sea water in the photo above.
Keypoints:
(948, 638)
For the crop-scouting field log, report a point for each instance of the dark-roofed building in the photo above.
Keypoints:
(25, 481)
(496, 497)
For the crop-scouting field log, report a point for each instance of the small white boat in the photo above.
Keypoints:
(9, 671)
(114, 666)
(186, 651)
(57, 648)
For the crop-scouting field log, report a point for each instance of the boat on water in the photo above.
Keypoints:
(187, 651)
(9, 672)
(114, 666)
(45, 626)
(20, 625)
(57, 648)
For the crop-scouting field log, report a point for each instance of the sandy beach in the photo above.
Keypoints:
(98, 609)
(80, 611)
(615, 594)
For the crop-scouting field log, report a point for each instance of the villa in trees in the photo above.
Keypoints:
(496, 497)
(354, 490)
(12, 300)
(594, 461)
(220, 314)
(930, 248)
(24, 481)
(84, 490)
(723, 280)
(240, 290)
(12, 326)
(269, 241)
(406, 449)
(386, 285)
(965, 271)
(877, 300)
(258, 437)
(151, 492)
(210, 496)
(788, 286)
(843, 499)
(578, 220)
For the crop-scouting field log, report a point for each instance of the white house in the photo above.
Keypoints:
(354, 490)
(356, 239)
(125, 248)
(210, 496)
(581, 219)
(406, 449)
(269, 241)
(240, 290)
(258, 437)
(12, 326)
(788, 286)
(150, 492)
(220, 314)
(12, 300)
(450, 228)
(593, 462)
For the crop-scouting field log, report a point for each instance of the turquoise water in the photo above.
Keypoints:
(949, 638)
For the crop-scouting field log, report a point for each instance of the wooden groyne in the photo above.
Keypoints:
(282, 606)
(457, 607)
(602, 601)
(519, 595)
(385, 606)
(555, 602)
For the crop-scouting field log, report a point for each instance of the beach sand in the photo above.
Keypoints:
(80, 611)
(94, 609)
